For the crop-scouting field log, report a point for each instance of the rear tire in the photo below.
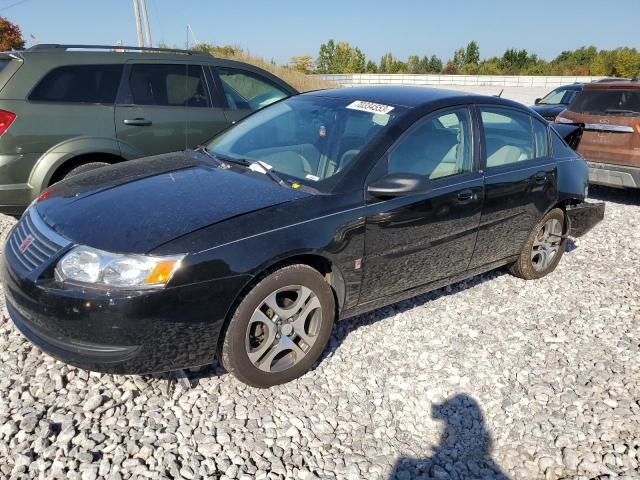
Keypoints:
(85, 167)
(279, 328)
(544, 248)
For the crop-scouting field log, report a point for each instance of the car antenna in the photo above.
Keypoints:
(500, 94)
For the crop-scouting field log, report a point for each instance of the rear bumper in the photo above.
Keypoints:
(583, 217)
(619, 176)
(15, 191)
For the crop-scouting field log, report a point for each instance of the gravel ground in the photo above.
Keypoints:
(489, 378)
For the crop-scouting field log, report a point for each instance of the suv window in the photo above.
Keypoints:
(607, 102)
(439, 145)
(79, 84)
(170, 85)
(248, 91)
(508, 136)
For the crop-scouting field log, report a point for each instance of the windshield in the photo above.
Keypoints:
(607, 102)
(560, 96)
(306, 138)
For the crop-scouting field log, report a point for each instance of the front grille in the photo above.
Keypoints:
(32, 243)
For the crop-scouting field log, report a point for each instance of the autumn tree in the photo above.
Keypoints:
(302, 63)
(10, 36)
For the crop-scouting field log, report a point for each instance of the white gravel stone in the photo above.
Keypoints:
(492, 376)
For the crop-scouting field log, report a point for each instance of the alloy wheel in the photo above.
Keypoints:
(283, 328)
(546, 245)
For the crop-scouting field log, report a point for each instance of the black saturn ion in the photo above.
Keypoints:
(318, 207)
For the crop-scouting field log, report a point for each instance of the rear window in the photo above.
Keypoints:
(607, 102)
(79, 84)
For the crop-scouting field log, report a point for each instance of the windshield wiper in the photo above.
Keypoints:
(250, 164)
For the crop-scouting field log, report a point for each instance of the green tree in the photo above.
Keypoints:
(435, 64)
(413, 64)
(472, 53)
(371, 67)
(324, 63)
(459, 59)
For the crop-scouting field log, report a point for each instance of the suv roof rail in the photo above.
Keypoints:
(59, 46)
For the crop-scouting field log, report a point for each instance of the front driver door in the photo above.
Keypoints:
(417, 239)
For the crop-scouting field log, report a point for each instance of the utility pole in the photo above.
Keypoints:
(145, 19)
(136, 12)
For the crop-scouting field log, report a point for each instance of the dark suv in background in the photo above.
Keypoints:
(556, 101)
(71, 108)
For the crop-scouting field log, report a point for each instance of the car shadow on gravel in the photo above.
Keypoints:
(464, 449)
(627, 196)
(190, 378)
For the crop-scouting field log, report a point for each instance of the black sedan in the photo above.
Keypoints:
(556, 101)
(319, 207)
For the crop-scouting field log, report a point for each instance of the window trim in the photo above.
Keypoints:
(483, 153)
(125, 94)
(123, 65)
(220, 84)
(472, 133)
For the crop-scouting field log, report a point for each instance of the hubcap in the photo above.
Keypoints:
(546, 245)
(283, 328)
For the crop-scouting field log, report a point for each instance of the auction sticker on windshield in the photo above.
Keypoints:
(369, 107)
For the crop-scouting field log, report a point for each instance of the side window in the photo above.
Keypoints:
(248, 91)
(439, 145)
(79, 84)
(508, 136)
(541, 135)
(168, 85)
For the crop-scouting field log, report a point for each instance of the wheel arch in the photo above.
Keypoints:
(323, 265)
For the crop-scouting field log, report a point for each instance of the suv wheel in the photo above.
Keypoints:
(280, 327)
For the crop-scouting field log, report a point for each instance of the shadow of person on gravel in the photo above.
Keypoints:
(464, 450)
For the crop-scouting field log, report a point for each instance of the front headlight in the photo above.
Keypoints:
(91, 266)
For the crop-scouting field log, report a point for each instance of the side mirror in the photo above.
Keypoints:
(400, 184)
(538, 100)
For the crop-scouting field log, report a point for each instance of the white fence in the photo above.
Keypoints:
(349, 80)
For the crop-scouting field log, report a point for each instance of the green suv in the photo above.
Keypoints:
(65, 109)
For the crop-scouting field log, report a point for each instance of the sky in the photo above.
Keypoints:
(280, 29)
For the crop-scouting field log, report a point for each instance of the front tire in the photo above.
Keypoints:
(544, 248)
(279, 328)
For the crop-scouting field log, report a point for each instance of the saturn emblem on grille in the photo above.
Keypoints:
(28, 240)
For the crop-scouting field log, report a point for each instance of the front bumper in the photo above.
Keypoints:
(583, 217)
(121, 332)
(618, 176)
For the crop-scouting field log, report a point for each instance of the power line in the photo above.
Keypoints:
(15, 4)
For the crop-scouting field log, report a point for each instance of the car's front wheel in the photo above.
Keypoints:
(279, 328)
(544, 247)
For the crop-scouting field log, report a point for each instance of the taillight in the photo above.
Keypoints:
(6, 119)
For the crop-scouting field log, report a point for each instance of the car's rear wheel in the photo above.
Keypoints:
(279, 328)
(544, 247)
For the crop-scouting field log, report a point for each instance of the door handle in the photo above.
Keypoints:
(465, 195)
(540, 177)
(138, 122)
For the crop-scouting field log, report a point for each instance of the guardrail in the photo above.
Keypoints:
(348, 80)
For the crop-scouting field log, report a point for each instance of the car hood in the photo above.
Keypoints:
(139, 205)
(547, 110)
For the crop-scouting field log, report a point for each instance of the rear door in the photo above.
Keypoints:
(245, 91)
(520, 179)
(164, 107)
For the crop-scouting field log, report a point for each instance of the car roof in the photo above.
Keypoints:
(411, 97)
(614, 84)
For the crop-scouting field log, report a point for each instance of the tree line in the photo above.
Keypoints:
(341, 57)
